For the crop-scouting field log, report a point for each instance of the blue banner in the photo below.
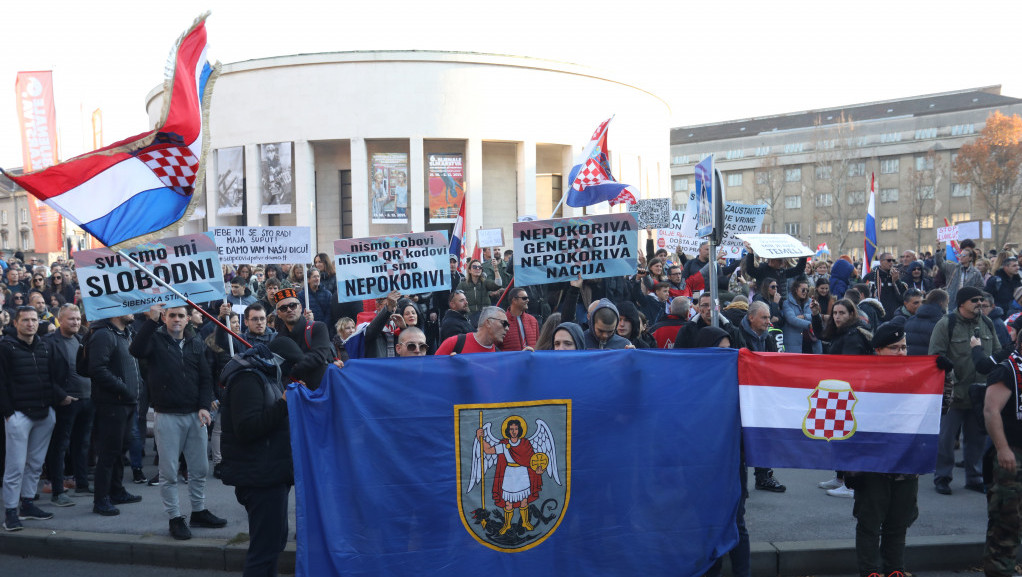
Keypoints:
(548, 463)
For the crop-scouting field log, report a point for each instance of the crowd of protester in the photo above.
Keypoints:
(92, 423)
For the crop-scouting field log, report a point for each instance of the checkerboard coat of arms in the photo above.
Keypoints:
(514, 471)
(831, 414)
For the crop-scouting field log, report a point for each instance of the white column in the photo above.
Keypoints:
(527, 179)
(416, 185)
(253, 187)
(473, 191)
(211, 190)
(360, 208)
(568, 154)
(305, 188)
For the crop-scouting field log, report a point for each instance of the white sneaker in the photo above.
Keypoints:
(841, 491)
(831, 484)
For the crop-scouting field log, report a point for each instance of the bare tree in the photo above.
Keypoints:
(770, 186)
(840, 173)
(925, 181)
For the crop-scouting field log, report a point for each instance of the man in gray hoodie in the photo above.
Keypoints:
(602, 332)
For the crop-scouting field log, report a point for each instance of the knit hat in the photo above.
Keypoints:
(887, 334)
(287, 293)
(965, 294)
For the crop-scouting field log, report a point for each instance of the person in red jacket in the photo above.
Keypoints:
(523, 329)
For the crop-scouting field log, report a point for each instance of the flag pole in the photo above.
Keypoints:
(178, 294)
(482, 468)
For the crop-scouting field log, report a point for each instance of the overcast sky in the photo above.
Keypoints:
(710, 61)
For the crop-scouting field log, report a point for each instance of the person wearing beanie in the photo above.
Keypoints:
(953, 337)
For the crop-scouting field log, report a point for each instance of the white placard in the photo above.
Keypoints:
(490, 237)
(673, 237)
(947, 233)
(262, 244)
(776, 245)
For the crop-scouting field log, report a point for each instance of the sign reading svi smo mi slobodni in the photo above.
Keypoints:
(549, 251)
(111, 286)
(373, 267)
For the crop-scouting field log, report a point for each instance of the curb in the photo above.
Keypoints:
(781, 558)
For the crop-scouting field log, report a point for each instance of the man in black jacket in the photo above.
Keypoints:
(116, 387)
(455, 321)
(312, 337)
(181, 391)
(73, 427)
(28, 393)
(885, 285)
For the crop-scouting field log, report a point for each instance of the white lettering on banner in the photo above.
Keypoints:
(263, 244)
(408, 263)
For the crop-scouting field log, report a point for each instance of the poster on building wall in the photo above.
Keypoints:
(388, 187)
(38, 121)
(446, 186)
(230, 181)
(276, 176)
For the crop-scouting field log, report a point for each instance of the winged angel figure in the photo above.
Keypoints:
(520, 465)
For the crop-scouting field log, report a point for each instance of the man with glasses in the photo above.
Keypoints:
(677, 283)
(885, 285)
(455, 321)
(181, 392)
(959, 274)
(255, 331)
(493, 325)
(524, 329)
(411, 343)
(28, 393)
(951, 337)
(312, 337)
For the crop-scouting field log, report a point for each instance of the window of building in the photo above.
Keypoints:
(23, 215)
(924, 221)
(24, 240)
(734, 179)
(924, 162)
(762, 150)
(1001, 218)
(793, 228)
(924, 133)
(680, 184)
(825, 199)
(794, 147)
(889, 166)
(888, 195)
(857, 197)
(826, 144)
(924, 192)
(889, 223)
(793, 202)
(824, 226)
(792, 174)
(857, 225)
(824, 172)
(735, 154)
(677, 160)
(762, 177)
(961, 189)
(889, 137)
(3, 217)
(958, 217)
(857, 168)
(963, 129)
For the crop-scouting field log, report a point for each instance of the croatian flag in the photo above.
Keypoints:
(591, 181)
(458, 238)
(143, 184)
(870, 242)
(853, 413)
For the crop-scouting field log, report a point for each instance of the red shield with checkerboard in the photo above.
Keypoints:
(831, 415)
(176, 166)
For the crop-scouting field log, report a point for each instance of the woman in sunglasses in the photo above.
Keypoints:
(58, 285)
(478, 288)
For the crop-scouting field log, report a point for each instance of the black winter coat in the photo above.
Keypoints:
(116, 378)
(179, 377)
(919, 327)
(454, 323)
(30, 378)
(854, 340)
(256, 442)
(319, 351)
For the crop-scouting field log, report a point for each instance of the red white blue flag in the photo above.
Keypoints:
(144, 184)
(458, 238)
(591, 182)
(870, 242)
(853, 413)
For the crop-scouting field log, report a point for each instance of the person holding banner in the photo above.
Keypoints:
(772, 268)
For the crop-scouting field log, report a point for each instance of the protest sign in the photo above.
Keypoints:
(113, 287)
(548, 251)
(740, 219)
(490, 237)
(373, 267)
(672, 238)
(262, 244)
(947, 233)
(705, 198)
(776, 245)
(652, 213)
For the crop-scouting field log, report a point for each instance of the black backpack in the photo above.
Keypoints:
(82, 357)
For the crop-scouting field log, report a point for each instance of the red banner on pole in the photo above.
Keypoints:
(38, 118)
